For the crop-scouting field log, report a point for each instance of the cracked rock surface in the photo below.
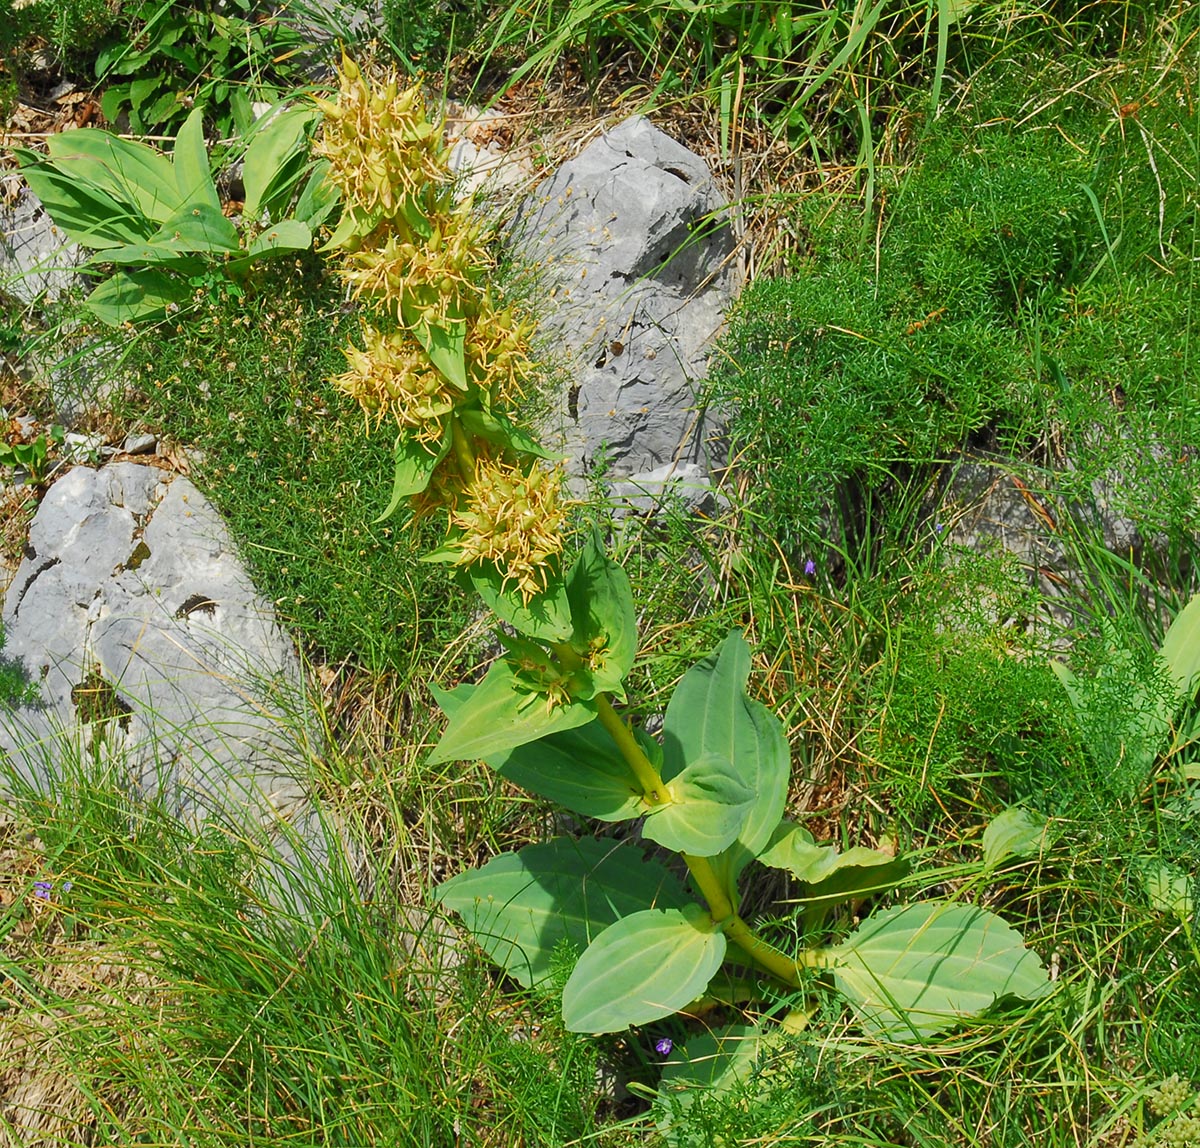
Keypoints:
(153, 649)
(631, 250)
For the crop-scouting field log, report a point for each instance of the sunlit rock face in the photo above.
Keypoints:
(631, 253)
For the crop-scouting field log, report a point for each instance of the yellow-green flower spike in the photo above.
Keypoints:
(514, 519)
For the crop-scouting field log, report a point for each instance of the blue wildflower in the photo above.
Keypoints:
(810, 567)
(663, 1046)
(43, 889)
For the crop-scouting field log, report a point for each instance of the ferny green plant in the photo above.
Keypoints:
(711, 787)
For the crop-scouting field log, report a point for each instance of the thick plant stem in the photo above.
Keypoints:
(463, 454)
(656, 793)
(777, 963)
(762, 953)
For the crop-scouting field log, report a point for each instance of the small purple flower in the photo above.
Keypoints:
(67, 886)
(43, 889)
(663, 1046)
(938, 528)
(810, 567)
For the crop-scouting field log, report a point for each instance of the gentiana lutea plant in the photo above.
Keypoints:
(448, 369)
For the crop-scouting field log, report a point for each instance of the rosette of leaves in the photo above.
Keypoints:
(155, 222)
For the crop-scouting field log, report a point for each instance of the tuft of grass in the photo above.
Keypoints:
(176, 984)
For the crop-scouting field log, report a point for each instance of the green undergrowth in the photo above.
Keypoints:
(1009, 292)
(294, 468)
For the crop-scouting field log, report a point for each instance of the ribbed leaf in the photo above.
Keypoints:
(520, 906)
(707, 811)
(415, 464)
(198, 227)
(1017, 832)
(709, 712)
(274, 160)
(497, 429)
(580, 769)
(130, 172)
(499, 716)
(283, 238)
(85, 214)
(546, 616)
(140, 294)
(193, 177)
(1168, 889)
(827, 873)
(646, 966)
(603, 616)
(913, 971)
(1181, 648)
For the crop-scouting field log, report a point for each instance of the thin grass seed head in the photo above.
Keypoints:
(514, 519)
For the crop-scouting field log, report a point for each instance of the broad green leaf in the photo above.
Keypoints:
(415, 464)
(603, 617)
(520, 906)
(193, 177)
(166, 257)
(580, 769)
(242, 111)
(113, 100)
(353, 224)
(709, 807)
(283, 238)
(274, 161)
(129, 172)
(709, 1064)
(1168, 889)
(84, 213)
(709, 712)
(912, 971)
(499, 715)
(199, 227)
(416, 219)
(132, 295)
(827, 873)
(1017, 832)
(646, 966)
(142, 90)
(1181, 648)
(446, 350)
(495, 428)
(546, 616)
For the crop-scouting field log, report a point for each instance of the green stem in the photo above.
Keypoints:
(643, 769)
(463, 454)
(720, 907)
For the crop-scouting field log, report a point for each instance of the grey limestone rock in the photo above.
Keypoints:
(36, 260)
(154, 651)
(631, 251)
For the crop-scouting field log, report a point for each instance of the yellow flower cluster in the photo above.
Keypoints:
(408, 245)
(498, 354)
(380, 146)
(513, 518)
(434, 280)
(392, 376)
